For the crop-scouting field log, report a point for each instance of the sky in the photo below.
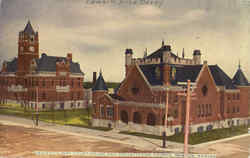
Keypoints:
(98, 34)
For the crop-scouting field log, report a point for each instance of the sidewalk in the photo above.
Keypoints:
(140, 143)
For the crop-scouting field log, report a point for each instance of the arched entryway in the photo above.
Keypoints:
(124, 116)
(151, 119)
(137, 117)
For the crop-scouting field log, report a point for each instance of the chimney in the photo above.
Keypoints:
(166, 74)
(69, 56)
(94, 78)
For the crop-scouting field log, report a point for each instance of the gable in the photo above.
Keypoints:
(205, 82)
(135, 87)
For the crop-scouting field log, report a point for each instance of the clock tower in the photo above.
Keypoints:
(28, 49)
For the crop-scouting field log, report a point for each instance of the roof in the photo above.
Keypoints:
(48, 63)
(159, 53)
(12, 65)
(100, 84)
(183, 73)
(239, 78)
(29, 29)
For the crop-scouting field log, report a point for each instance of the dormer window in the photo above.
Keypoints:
(158, 73)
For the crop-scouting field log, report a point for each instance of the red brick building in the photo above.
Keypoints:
(52, 81)
(139, 102)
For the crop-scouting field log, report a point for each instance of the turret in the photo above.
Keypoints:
(197, 56)
(28, 48)
(99, 90)
(128, 59)
(166, 52)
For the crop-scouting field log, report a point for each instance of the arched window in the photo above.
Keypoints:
(151, 120)
(137, 117)
(124, 116)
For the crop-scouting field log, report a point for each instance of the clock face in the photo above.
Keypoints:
(31, 48)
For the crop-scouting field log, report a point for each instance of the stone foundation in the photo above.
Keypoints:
(158, 129)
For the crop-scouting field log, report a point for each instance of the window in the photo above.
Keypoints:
(64, 82)
(210, 110)
(233, 96)
(204, 90)
(234, 109)
(124, 116)
(238, 96)
(228, 97)
(176, 130)
(43, 106)
(110, 112)
(206, 109)
(79, 82)
(202, 110)
(135, 90)
(137, 117)
(43, 83)
(72, 105)
(238, 109)
(52, 82)
(176, 98)
(79, 95)
(102, 110)
(199, 110)
(62, 105)
(151, 120)
(72, 83)
(79, 104)
(200, 129)
(209, 127)
(44, 95)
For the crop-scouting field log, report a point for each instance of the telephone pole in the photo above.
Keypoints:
(36, 106)
(187, 121)
(165, 121)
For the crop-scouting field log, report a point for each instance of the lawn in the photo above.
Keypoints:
(197, 138)
(76, 117)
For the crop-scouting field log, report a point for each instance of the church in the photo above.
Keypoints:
(47, 81)
(150, 82)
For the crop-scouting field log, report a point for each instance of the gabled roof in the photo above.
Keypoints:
(100, 84)
(12, 65)
(29, 29)
(183, 73)
(239, 78)
(48, 63)
(159, 53)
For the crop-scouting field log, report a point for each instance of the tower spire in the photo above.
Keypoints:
(146, 53)
(100, 71)
(239, 64)
(162, 43)
(183, 53)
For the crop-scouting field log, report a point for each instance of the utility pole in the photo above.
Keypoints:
(37, 106)
(165, 121)
(187, 121)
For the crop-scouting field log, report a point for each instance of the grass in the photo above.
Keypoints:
(197, 138)
(77, 117)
